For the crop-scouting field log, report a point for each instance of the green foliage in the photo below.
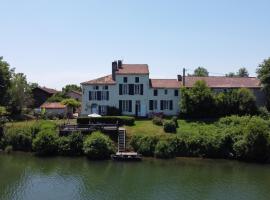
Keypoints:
(122, 120)
(169, 126)
(174, 119)
(157, 121)
(98, 146)
(264, 113)
(165, 149)
(20, 94)
(46, 143)
(199, 101)
(8, 149)
(71, 103)
(18, 138)
(144, 144)
(255, 144)
(242, 72)
(200, 71)
(5, 76)
(71, 87)
(263, 72)
(58, 97)
(71, 145)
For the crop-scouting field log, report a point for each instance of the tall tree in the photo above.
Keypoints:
(263, 72)
(242, 72)
(200, 71)
(5, 76)
(71, 87)
(231, 74)
(20, 93)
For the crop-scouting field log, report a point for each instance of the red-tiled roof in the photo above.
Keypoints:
(164, 83)
(133, 69)
(48, 90)
(105, 80)
(53, 105)
(76, 92)
(224, 82)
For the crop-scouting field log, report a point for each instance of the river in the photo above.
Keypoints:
(25, 177)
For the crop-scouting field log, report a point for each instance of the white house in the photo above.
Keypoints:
(130, 89)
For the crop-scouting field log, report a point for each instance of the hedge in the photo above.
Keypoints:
(122, 120)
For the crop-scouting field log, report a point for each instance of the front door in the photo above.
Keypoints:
(138, 108)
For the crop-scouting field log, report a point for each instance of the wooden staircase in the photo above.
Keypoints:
(121, 140)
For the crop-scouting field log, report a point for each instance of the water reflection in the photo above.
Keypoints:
(27, 177)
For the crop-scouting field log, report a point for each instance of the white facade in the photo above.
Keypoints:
(133, 94)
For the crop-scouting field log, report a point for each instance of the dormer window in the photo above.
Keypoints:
(95, 87)
(137, 79)
(125, 80)
(165, 91)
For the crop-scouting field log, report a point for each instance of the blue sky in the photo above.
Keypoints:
(59, 42)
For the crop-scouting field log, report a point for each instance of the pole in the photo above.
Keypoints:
(184, 76)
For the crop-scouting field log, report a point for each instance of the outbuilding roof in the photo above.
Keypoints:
(224, 82)
(53, 105)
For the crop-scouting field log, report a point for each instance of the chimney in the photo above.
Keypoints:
(119, 63)
(114, 69)
(184, 77)
(179, 78)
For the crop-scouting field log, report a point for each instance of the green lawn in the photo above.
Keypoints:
(146, 127)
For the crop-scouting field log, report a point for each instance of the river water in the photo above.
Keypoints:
(25, 177)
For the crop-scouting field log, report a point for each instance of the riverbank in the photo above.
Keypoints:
(242, 138)
(29, 177)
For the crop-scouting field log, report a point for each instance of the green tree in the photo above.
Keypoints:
(263, 72)
(73, 103)
(197, 101)
(231, 74)
(242, 72)
(20, 93)
(200, 71)
(5, 76)
(71, 87)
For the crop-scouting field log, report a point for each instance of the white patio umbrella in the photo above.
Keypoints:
(94, 115)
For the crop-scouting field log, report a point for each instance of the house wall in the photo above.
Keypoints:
(114, 96)
(56, 111)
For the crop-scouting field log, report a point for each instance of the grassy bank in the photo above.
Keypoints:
(243, 138)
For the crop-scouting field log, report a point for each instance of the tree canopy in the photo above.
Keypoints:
(71, 87)
(242, 72)
(200, 71)
(263, 72)
(5, 82)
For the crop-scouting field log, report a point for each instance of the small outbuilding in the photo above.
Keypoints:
(55, 109)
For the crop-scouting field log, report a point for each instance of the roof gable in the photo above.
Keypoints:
(105, 80)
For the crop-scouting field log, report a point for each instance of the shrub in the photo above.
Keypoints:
(113, 111)
(8, 149)
(174, 119)
(46, 143)
(20, 138)
(122, 120)
(71, 145)
(264, 113)
(165, 149)
(169, 126)
(157, 121)
(144, 144)
(98, 146)
(255, 144)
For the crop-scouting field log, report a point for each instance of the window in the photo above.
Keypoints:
(155, 92)
(95, 87)
(152, 104)
(98, 95)
(125, 80)
(165, 91)
(166, 104)
(105, 87)
(137, 89)
(102, 110)
(125, 88)
(176, 93)
(137, 79)
(125, 105)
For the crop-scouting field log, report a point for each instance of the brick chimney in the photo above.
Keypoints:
(119, 63)
(114, 69)
(179, 78)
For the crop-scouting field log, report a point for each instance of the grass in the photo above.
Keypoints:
(32, 122)
(146, 127)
